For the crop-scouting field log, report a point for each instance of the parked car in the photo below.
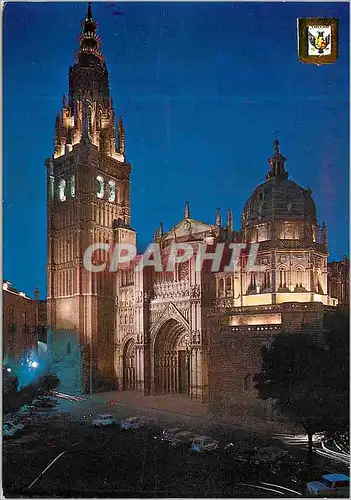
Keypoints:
(44, 403)
(11, 429)
(238, 453)
(132, 423)
(269, 455)
(330, 485)
(103, 420)
(153, 431)
(203, 444)
(167, 434)
(181, 439)
(301, 473)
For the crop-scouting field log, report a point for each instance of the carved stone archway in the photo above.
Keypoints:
(129, 370)
(171, 366)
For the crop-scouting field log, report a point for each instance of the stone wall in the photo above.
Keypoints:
(20, 324)
(65, 356)
(235, 357)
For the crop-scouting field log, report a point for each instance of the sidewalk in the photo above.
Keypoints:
(174, 403)
(182, 405)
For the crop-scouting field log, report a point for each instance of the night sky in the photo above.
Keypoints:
(202, 89)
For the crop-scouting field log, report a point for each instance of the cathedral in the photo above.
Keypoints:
(186, 330)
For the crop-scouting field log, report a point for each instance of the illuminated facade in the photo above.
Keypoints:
(339, 281)
(186, 330)
(23, 324)
(88, 195)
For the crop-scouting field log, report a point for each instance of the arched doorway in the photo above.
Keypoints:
(172, 359)
(129, 372)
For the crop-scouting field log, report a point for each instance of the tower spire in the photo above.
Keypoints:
(89, 41)
(230, 220)
(187, 210)
(121, 136)
(277, 162)
(218, 218)
(89, 14)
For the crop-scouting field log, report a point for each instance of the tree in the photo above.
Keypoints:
(294, 374)
(337, 369)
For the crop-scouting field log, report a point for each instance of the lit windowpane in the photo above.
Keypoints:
(112, 193)
(51, 188)
(62, 190)
(73, 186)
(100, 186)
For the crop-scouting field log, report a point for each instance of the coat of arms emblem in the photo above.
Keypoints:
(318, 40)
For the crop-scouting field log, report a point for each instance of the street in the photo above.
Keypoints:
(63, 455)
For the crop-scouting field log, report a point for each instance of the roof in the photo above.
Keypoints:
(105, 415)
(189, 229)
(279, 198)
(336, 477)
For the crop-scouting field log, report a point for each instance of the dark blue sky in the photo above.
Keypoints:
(202, 88)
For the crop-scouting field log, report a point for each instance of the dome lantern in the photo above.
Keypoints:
(276, 162)
(278, 198)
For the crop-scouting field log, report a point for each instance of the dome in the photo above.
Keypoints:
(279, 197)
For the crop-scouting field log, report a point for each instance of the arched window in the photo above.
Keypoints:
(221, 285)
(299, 277)
(252, 282)
(266, 279)
(229, 284)
(68, 348)
(99, 186)
(282, 278)
(62, 190)
(73, 186)
(112, 191)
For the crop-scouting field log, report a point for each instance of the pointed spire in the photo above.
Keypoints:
(58, 120)
(121, 136)
(89, 14)
(161, 230)
(69, 139)
(64, 101)
(324, 234)
(276, 162)
(218, 218)
(57, 140)
(156, 236)
(230, 220)
(85, 122)
(187, 211)
(89, 40)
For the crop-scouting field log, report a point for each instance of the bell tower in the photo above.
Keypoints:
(88, 185)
